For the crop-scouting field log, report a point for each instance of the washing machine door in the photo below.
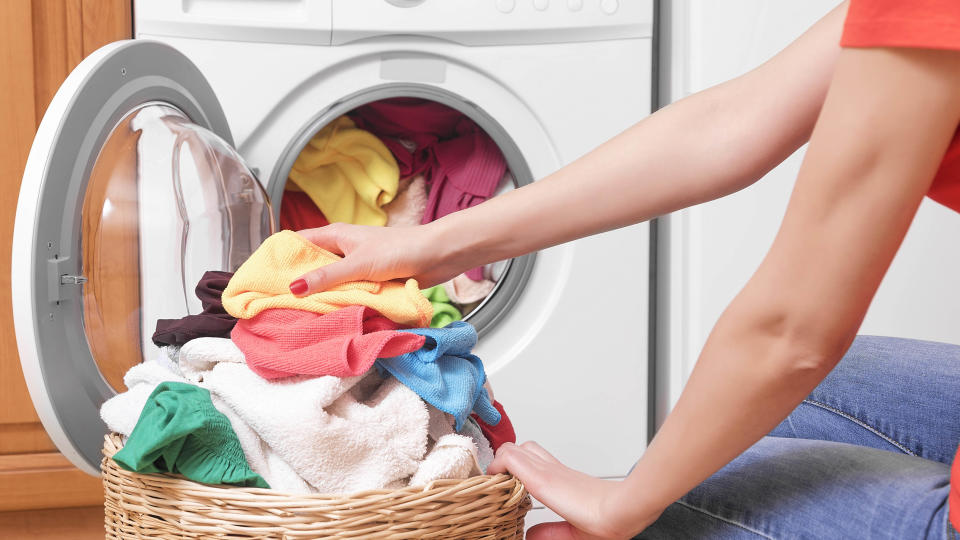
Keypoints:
(132, 190)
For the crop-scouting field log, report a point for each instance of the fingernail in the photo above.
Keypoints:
(299, 287)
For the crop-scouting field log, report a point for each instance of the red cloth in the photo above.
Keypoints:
(284, 342)
(928, 24)
(500, 433)
(298, 212)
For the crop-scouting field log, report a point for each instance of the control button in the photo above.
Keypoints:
(506, 6)
(574, 5)
(541, 4)
(609, 6)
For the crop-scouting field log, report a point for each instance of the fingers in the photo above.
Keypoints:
(506, 460)
(326, 277)
(556, 530)
(539, 451)
(327, 237)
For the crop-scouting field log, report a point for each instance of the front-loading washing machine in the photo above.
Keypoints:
(167, 155)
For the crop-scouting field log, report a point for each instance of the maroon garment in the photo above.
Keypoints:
(460, 162)
(213, 321)
(299, 212)
(500, 433)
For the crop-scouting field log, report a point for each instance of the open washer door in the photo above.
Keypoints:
(132, 191)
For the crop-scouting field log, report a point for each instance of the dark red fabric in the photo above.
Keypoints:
(500, 433)
(213, 321)
(926, 24)
(299, 212)
(284, 342)
(460, 162)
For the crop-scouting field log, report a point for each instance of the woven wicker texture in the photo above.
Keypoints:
(168, 506)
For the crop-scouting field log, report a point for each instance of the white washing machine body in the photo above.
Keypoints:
(567, 357)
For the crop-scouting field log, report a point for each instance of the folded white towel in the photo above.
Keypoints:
(198, 356)
(453, 456)
(338, 435)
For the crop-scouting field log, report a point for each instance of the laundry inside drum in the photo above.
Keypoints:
(402, 162)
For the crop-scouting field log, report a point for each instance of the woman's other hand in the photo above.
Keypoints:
(376, 254)
(593, 508)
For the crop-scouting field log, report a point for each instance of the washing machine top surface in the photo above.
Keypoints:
(132, 190)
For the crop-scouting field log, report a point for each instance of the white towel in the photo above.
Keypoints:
(441, 424)
(471, 429)
(122, 411)
(261, 458)
(453, 456)
(198, 356)
(339, 436)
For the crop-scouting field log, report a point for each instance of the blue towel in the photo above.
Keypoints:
(444, 373)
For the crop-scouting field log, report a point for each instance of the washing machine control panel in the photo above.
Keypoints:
(337, 22)
(493, 22)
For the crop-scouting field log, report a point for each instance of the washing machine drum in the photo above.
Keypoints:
(132, 191)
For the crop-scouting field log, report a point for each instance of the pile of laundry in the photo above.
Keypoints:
(399, 162)
(336, 392)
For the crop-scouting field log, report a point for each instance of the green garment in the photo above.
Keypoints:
(180, 431)
(444, 312)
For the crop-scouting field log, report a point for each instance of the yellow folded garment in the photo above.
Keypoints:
(263, 282)
(348, 173)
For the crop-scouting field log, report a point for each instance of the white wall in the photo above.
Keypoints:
(708, 252)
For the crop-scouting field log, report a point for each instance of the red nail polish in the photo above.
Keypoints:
(298, 287)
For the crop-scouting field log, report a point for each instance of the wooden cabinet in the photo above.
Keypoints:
(40, 42)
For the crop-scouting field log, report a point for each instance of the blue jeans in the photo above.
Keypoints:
(866, 455)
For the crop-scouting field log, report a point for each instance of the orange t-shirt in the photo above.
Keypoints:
(924, 24)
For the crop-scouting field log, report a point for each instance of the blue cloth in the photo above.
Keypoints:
(866, 455)
(444, 373)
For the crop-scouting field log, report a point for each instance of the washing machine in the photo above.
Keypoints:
(167, 155)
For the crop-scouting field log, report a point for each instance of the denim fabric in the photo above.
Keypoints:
(866, 455)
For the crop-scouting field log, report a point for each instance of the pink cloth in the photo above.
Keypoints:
(463, 290)
(284, 342)
(407, 208)
(461, 163)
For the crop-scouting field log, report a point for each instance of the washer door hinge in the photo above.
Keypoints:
(67, 279)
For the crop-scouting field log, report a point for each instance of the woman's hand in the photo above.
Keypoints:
(593, 508)
(377, 254)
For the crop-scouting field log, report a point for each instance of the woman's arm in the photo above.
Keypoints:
(887, 120)
(700, 148)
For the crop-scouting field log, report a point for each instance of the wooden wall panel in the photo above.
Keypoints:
(48, 480)
(67, 523)
(41, 41)
(19, 125)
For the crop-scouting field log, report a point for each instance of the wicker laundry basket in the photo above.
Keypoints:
(170, 506)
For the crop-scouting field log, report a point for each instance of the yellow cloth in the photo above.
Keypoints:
(263, 282)
(348, 173)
